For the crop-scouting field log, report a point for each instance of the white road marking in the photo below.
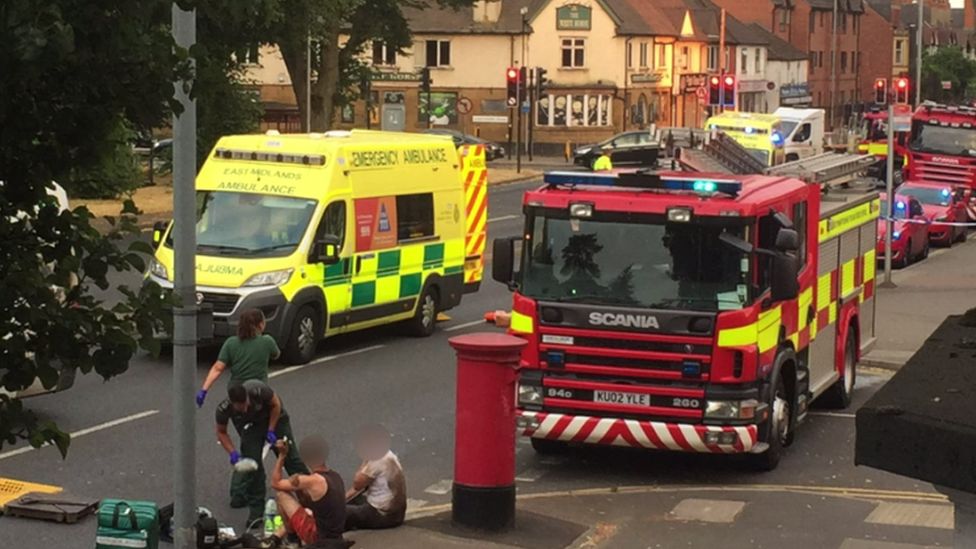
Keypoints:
(415, 504)
(440, 487)
(707, 510)
(834, 414)
(466, 325)
(851, 543)
(87, 431)
(530, 475)
(912, 514)
(503, 218)
(324, 359)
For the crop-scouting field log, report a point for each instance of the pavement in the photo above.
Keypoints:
(614, 497)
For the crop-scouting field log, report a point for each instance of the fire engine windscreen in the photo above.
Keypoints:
(650, 263)
(873, 129)
(247, 224)
(930, 138)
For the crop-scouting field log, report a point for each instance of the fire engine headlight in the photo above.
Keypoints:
(731, 409)
(530, 394)
(680, 215)
(157, 269)
(896, 235)
(581, 210)
(271, 278)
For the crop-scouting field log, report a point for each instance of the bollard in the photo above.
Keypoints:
(483, 495)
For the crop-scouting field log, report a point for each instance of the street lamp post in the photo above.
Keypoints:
(918, 54)
(833, 67)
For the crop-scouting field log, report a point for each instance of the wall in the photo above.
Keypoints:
(846, 77)
(604, 53)
(877, 47)
(477, 61)
(784, 72)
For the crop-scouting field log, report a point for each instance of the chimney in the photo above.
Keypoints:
(487, 11)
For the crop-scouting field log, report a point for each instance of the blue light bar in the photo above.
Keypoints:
(644, 180)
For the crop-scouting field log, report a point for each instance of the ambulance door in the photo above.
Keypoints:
(335, 278)
(376, 262)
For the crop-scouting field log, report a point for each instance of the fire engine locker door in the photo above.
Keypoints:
(822, 346)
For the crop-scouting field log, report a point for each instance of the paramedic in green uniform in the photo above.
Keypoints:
(260, 417)
(603, 163)
(248, 355)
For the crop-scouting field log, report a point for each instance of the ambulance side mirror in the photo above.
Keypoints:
(503, 260)
(159, 228)
(326, 250)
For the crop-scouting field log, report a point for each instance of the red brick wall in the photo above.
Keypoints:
(876, 50)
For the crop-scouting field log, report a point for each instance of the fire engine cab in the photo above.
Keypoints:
(698, 313)
(942, 147)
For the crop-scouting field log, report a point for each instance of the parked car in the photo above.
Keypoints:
(628, 148)
(940, 202)
(493, 151)
(909, 241)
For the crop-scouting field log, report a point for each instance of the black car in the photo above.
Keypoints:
(492, 150)
(628, 148)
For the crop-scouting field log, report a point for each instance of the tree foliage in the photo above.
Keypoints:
(73, 71)
(948, 64)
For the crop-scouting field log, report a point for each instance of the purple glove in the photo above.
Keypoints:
(235, 456)
(272, 438)
(201, 396)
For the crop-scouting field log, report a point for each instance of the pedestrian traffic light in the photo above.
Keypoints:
(901, 90)
(512, 82)
(425, 80)
(881, 90)
(523, 84)
(713, 94)
(728, 87)
(541, 82)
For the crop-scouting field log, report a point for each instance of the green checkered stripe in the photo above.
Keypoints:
(393, 275)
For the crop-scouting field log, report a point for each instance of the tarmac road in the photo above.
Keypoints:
(125, 425)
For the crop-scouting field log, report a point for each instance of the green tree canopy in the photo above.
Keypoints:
(948, 64)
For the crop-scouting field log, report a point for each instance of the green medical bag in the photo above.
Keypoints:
(127, 525)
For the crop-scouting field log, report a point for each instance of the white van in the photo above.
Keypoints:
(803, 131)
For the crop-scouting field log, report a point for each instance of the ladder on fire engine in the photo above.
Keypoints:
(827, 169)
(720, 154)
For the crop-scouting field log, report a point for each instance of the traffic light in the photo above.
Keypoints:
(541, 82)
(901, 90)
(512, 82)
(425, 80)
(728, 85)
(881, 90)
(713, 87)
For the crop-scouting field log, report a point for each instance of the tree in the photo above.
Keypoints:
(948, 64)
(340, 31)
(73, 71)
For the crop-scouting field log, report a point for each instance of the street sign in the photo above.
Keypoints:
(701, 92)
(525, 106)
(489, 119)
(947, 84)
(512, 102)
(464, 105)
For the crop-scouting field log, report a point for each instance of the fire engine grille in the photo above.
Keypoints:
(943, 173)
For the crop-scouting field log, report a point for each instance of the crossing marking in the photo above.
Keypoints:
(912, 514)
(707, 510)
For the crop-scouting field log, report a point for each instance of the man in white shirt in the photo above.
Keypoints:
(378, 495)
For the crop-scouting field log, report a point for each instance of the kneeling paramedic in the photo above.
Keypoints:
(312, 506)
(260, 418)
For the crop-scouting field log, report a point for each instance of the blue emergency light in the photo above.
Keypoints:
(900, 205)
(945, 192)
(644, 180)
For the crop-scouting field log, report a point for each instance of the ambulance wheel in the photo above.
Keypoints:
(303, 336)
(778, 426)
(547, 447)
(839, 395)
(425, 318)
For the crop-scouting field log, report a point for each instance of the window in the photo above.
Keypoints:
(630, 55)
(712, 58)
(250, 55)
(820, 59)
(383, 55)
(438, 53)
(899, 52)
(333, 223)
(843, 61)
(643, 55)
(784, 19)
(662, 55)
(573, 53)
(813, 60)
(812, 20)
(415, 216)
(685, 58)
(843, 22)
(758, 69)
(574, 110)
(800, 224)
(744, 66)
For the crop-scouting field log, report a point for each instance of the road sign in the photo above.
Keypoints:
(525, 106)
(512, 102)
(489, 119)
(464, 105)
(947, 84)
(701, 92)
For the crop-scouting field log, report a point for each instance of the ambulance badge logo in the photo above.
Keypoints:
(384, 225)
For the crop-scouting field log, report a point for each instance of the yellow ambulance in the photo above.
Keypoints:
(334, 232)
(759, 133)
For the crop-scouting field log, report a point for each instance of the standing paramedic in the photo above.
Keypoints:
(259, 417)
(248, 354)
(313, 505)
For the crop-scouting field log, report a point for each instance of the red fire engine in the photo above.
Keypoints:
(942, 147)
(696, 314)
(874, 137)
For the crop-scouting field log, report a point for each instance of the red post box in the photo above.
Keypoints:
(484, 435)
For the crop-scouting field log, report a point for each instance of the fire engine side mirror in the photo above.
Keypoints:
(730, 239)
(503, 260)
(787, 240)
(784, 285)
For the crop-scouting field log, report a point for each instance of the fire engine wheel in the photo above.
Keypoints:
(778, 425)
(425, 319)
(547, 447)
(839, 395)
